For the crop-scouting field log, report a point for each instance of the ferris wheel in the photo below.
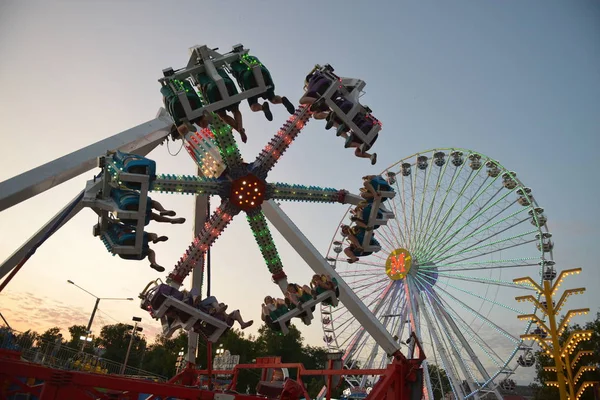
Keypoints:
(463, 228)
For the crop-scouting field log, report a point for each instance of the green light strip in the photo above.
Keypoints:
(263, 238)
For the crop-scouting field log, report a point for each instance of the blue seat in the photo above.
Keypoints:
(129, 200)
(134, 164)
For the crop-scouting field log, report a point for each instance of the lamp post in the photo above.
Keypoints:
(134, 329)
(89, 325)
(555, 330)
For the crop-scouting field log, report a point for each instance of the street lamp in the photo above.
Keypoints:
(134, 329)
(89, 325)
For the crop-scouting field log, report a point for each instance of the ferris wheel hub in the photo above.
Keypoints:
(398, 264)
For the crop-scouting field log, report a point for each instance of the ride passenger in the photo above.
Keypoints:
(243, 72)
(124, 234)
(211, 94)
(296, 294)
(129, 200)
(175, 108)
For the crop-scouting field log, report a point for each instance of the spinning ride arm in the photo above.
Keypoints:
(185, 184)
(269, 156)
(315, 194)
(230, 153)
(262, 234)
(208, 234)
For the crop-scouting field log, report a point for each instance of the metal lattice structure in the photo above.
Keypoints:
(464, 227)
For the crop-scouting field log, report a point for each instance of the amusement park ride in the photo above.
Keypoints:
(420, 237)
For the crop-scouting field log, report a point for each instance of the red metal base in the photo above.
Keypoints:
(400, 381)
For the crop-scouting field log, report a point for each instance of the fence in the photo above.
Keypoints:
(57, 355)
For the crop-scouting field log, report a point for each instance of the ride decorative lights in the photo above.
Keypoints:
(247, 192)
(551, 345)
(398, 264)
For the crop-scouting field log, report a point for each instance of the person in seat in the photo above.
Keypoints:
(125, 236)
(321, 283)
(296, 295)
(356, 237)
(211, 94)
(175, 108)
(271, 310)
(242, 70)
(315, 85)
(372, 185)
(229, 319)
(129, 200)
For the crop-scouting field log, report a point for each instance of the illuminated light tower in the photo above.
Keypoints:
(554, 331)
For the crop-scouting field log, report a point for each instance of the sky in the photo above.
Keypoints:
(517, 81)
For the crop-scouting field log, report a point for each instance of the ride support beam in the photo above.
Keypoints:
(138, 140)
(317, 262)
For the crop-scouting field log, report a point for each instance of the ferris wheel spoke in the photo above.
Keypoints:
(486, 264)
(423, 230)
(492, 251)
(419, 219)
(383, 236)
(425, 279)
(362, 273)
(434, 226)
(262, 235)
(484, 281)
(402, 192)
(473, 247)
(376, 303)
(446, 236)
(484, 228)
(386, 321)
(477, 193)
(361, 262)
(441, 341)
(368, 283)
(402, 240)
(450, 318)
(413, 184)
(487, 207)
(436, 231)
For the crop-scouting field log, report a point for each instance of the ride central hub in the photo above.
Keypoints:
(398, 264)
(248, 192)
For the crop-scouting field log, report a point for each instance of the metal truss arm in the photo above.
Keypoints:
(209, 233)
(265, 242)
(269, 156)
(318, 263)
(230, 153)
(139, 140)
(185, 184)
(312, 194)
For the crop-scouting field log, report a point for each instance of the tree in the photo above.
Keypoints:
(288, 347)
(160, 357)
(440, 384)
(115, 339)
(544, 392)
(50, 335)
(76, 331)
